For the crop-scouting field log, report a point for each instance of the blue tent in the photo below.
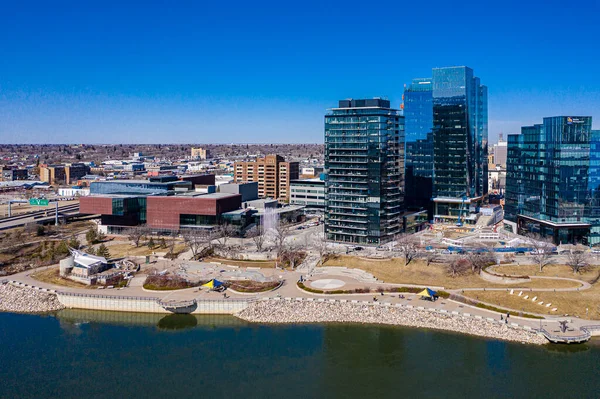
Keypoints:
(428, 293)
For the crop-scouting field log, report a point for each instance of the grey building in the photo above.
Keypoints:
(364, 166)
(309, 193)
(248, 190)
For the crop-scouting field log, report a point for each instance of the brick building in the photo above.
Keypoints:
(272, 173)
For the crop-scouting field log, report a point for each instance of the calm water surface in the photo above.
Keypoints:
(83, 354)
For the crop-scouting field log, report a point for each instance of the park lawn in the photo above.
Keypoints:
(51, 275)
(572, 303)
(269, 264)
(549, 271)
(418, 273)
(120, 250)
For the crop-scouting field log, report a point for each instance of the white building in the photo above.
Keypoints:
(309, 193)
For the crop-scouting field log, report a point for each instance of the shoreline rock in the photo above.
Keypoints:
(27, 300)
(285, 312)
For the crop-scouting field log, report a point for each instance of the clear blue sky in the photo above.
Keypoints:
(257, 71)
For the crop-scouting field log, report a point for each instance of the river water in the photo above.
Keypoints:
(86, 354)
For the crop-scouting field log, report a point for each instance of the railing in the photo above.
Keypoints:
(569, 338)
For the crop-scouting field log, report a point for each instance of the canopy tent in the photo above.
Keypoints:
(427, 293)
(212, 284)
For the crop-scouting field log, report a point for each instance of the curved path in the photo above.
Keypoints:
(583, 286)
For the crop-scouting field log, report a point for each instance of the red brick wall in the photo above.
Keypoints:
(163, 212)
(95, 205)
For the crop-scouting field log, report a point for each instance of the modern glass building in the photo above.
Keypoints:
(460, 136)
(364, 164)
(418, 119)
(446, 144)
(552, 180)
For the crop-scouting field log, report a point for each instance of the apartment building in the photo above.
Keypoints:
(272, 173)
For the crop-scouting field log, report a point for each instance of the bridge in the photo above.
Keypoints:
(40, 217)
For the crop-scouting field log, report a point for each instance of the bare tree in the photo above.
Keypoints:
(224, 232)
(319, 242)
(542, 248)
(458, 266)
(429, 257)
(257, 234)
(293, 253)
(408, 247)
(478, 258)
(196, 240)
(282, 231)
(135, 234)
(578, 259)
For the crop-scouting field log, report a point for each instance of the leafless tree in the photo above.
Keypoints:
(282, 231)
(578, 259)
(429, 257)
(458, 266)
(320, 244)
(196, 240)
(224, 232)
(478, 258)
(542, 249)
(135, 234)
(408, 247)
(293, 253)
(257, 234)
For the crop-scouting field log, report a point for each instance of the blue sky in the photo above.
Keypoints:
(259, 71)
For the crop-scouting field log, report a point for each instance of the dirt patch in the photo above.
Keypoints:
(243, 263)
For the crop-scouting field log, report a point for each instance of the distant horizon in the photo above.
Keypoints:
(124, 74)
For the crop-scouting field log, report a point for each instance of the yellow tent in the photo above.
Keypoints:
(212, 284)
(427, 293)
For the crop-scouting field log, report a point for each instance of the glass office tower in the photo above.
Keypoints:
(460, 136)
(552, 180)
(418, 119)
(364, 164)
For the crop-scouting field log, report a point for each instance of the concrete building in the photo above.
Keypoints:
(309, 193)
(14, 174)
(248, 190)
(200, 153)
(272, 173)
(75, 171)
(52, 174)
(499, 152)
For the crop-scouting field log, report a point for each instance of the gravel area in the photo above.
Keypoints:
(27, 300)
(347, 312)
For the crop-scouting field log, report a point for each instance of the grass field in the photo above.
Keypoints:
(571, 303)
(548, 271)
(51, 276)
(417, 272)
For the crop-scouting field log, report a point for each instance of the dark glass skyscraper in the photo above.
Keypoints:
(552, 180)
(460, 135)
(446, 143)
(418, 119)
(364, 163)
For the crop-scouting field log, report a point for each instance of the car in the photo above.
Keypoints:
(358, 248)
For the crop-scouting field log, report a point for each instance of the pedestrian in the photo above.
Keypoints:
(501, 318)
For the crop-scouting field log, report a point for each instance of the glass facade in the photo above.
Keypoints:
(364, 164)
(418, 119)
(460, 136)
(552, 180)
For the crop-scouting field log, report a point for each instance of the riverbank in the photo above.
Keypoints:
(348, 312)
(27, 300)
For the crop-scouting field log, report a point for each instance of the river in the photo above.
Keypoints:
(86, 354)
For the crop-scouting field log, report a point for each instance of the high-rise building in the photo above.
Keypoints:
(53, 174)
(364, 164)
(460, 135)
(272, 173)
(446, 143)
(553, 180)
(418, 133)
(499, 151)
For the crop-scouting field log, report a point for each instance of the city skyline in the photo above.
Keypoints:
(211, 74)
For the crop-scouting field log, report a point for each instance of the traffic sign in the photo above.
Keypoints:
(38, 201)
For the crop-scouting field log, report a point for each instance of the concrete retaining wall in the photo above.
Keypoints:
(146, 305)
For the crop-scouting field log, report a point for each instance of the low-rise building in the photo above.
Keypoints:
(14, 174)
(309, 193)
